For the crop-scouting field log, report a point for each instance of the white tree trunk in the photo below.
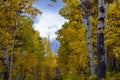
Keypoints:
(13, 44)
(100, 39)
(11, 56)
(6, 64)
(90, 47)
(86, 21)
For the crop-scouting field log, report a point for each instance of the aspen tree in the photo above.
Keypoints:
(10, 11)
(72, 55)
(100, 40)
(86, 13)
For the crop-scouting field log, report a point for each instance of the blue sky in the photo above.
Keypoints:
(50, 21)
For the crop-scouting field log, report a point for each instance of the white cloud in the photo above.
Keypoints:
(49, 22)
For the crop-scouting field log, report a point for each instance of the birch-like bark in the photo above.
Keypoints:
(11, 56)
(5, 59)
(100, 40)
(13, 44)
(90, 47)
(86, 20)
(35, 73)
(6, 64)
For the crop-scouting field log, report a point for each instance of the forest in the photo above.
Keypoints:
(89, 42)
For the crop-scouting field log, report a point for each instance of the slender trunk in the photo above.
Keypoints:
(100, 40)
(5, 59)
(115, 65)
(86, 21)
(13, 44)
(21, 66)
(35, 74)
(11, 56)
(17, 76)
(90, 47)
(6, 65)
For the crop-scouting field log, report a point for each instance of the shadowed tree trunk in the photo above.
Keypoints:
(100, 40)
